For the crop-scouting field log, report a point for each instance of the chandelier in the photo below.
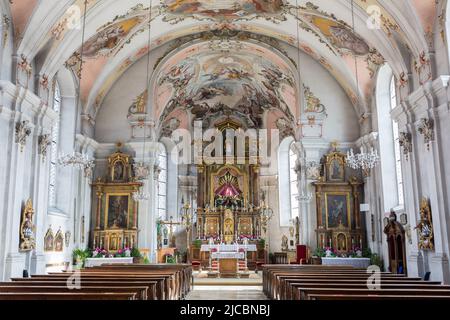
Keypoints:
(77, 160)
(140, 195)
(141, 169)
(305, 198)
(363, 160)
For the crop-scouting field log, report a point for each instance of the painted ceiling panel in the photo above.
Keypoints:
(21, 12)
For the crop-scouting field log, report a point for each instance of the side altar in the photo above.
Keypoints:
(115, 216)
(340, 225)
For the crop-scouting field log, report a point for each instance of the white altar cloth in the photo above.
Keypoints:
(228, 247)
(228, 255)
(355, 262)
(95, 262)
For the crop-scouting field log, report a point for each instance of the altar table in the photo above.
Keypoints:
(228, 247)
(228, 255)
(355, 262)
(95, 262)
(228, 268)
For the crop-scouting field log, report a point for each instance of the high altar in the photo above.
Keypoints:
(228, 201)
(115, 217)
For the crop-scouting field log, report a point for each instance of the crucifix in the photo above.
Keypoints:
(171, 224)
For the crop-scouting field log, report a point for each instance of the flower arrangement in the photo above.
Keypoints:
(330, 252)
(100, 253)
(356, 252)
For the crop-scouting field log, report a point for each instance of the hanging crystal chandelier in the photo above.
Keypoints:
(77, 160)
(140, 195)
(363, 160)
(141, 169)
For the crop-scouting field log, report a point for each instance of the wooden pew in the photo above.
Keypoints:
(118, 281)
(151, 293)
(324, 283)
(67, 296)
(162, 284)
(378, 297)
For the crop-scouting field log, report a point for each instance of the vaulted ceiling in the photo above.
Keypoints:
(116, 36)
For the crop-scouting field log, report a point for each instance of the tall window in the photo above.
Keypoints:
(54, 146)
(287, 182)
(293, 183)
(397, 152)
(162, 183)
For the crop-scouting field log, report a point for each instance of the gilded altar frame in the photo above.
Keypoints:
(334, 183)
(217, 173)
(115, 237)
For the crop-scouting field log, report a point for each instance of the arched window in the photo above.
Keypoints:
(162, 182)
(397, 153)
(54, 146)
(288, 182)
(293, 187)
(390, 151)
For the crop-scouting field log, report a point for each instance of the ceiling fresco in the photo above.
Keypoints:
(244, 84)
(106, 40)
(113, 41)
(223, 9)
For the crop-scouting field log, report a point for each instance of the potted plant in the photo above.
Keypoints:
(79, 256)
(317, 256)
(197, 243)
(137, 256)
(261, 244)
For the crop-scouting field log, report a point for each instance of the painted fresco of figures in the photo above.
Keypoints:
(227, 8)
(344, 38)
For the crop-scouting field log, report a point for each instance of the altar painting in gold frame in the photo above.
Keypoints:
(241, 182)
(338, 209)
(118, 208)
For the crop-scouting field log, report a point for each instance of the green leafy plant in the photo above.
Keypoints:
(262, 243)
(320, 252)
(367, 253)
(376, 260)
(135, 253)
(80, 255)
(170, 259)
(197, 243)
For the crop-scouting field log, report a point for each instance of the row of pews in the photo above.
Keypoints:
(106, 282)
(311, 282)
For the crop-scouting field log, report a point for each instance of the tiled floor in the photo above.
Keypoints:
(226, 293)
